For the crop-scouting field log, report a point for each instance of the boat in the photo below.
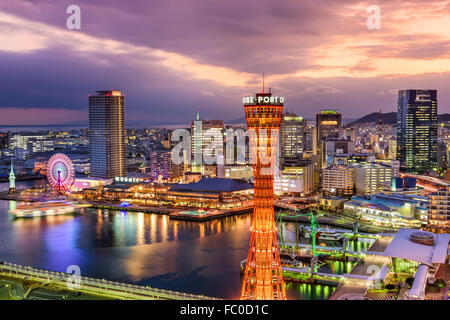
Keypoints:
(325, 234)
(45, 208)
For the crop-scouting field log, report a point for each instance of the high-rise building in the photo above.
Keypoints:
(263, 277)
(292, 134)
(205, 140)
(439, 211)
(392, 151)
(107, 146)
(328, 125)
(417, 125)
(442, 160)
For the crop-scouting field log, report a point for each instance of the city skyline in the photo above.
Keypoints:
(306, 60)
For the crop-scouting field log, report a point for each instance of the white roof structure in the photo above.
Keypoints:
(402, 247)
(417, 290)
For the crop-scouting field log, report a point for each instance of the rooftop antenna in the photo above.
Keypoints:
(263, 83)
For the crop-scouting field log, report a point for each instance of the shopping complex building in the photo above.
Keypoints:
(217, 193)
(391, 210)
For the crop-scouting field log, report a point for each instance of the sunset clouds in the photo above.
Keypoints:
(181, 56)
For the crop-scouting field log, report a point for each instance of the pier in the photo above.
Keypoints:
(336, 223)
(178, 215)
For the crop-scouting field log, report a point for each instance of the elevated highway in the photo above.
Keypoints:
(101, 287)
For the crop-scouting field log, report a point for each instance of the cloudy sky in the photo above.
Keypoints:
(173, 57)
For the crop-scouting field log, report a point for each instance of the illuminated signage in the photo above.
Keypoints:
(263, 99)
(128, 180)
(329, 123)
(328, 112)
(293, 118)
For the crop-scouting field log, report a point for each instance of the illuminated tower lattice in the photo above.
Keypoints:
(263, 278)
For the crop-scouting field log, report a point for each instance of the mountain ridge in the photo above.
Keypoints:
(390, 118)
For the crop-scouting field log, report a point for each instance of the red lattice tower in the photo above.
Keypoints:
(263, 278)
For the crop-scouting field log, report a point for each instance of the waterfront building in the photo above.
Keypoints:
(263, 277)
(219, 193)
(211, 193)
(439, 211)
(332, 203)
(338, 181)
(417, 125)
(107, 146)
(82, 183)
(388, 210)
(421, 255)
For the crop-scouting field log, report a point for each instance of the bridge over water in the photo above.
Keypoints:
(100, 287)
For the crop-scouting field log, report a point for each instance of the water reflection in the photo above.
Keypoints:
(202, 258)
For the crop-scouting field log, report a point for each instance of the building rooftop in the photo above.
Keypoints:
(214, 185)
(402, 247)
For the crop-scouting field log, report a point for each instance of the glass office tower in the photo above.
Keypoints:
(292, 136)
(417, 125)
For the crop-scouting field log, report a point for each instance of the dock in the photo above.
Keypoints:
(335, 223)
(362, 274)
(209, 216)
(134, 208)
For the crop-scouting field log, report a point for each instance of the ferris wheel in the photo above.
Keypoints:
(60, 172)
